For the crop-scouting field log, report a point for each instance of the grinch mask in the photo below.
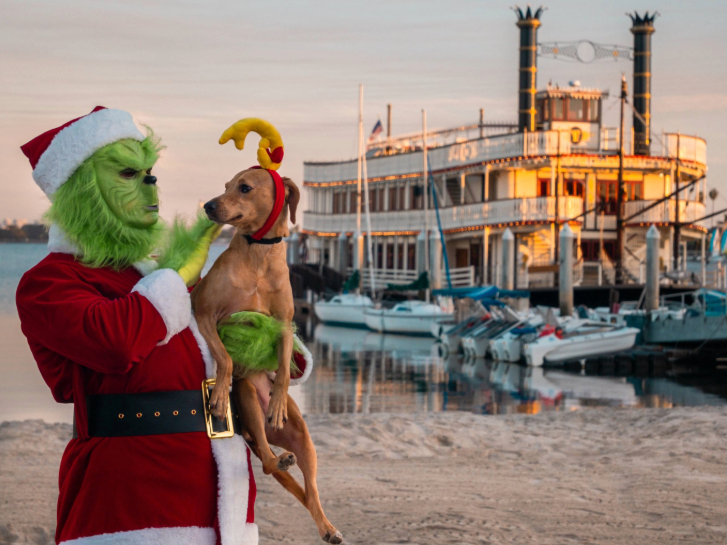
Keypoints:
(109, 207)
(123, 173)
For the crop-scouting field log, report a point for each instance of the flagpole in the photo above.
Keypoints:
(427, 265)
(362, 155)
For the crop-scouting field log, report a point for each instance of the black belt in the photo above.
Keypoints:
(156, 413)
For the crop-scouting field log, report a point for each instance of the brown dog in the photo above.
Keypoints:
(255, 277)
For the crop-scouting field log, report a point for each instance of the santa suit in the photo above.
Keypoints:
(99, 331)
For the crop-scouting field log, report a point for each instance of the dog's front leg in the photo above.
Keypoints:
(278, 408)
(220, 397)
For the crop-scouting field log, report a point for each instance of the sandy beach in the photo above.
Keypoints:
(589, 476)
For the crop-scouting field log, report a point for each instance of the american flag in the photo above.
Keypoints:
(378, 129)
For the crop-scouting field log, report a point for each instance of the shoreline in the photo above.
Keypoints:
(587, 476)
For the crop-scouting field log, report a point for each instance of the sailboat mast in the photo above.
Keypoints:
(360, 136)
(425, 173)
(368, 221)
(362, 163)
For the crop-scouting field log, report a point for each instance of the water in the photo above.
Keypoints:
(359, 371)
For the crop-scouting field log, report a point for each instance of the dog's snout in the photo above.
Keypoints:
(150, 180)
(210, 207)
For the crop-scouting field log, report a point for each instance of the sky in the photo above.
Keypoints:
(189, 69)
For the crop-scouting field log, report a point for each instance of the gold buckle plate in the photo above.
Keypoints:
(208, 416)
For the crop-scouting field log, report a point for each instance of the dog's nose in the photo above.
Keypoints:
(150, 180)
(210, 207)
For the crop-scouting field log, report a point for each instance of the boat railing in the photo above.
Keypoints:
(461, 277)
(715, 277)
(684, 147)
(506, 211)
(665, 212)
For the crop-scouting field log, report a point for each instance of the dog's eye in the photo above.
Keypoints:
(244, 188)
(128, 173)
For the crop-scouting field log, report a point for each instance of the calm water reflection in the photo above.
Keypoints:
(361, 371)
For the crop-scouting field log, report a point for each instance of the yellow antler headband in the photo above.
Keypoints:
(270, 148)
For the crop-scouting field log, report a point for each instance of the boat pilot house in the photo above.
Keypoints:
(558, 164)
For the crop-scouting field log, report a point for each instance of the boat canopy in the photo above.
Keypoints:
(479, 293)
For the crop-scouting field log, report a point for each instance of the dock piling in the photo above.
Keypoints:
(565, 287)
(651, 299)
(343, 253)
(435, 256)
(508, 260)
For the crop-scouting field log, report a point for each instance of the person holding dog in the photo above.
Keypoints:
(113, 333)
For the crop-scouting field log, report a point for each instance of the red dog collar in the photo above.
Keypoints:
(277, 205)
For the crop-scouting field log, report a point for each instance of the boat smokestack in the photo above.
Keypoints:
(388, 121)
(642, 28)
(528, 23)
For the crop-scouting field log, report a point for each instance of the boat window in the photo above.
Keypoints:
(575, 109)
(403, 309)
(557, 109)
(593, 110)
(336, 300)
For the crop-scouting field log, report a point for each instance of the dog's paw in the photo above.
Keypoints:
(333, 536)
(286, 461)
(219, 400)
(277, 415)
(282, 463)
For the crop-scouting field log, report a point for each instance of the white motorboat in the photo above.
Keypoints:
(408, 317)
(578, 339)
(345, 309)
(449, 336)
(477, 342)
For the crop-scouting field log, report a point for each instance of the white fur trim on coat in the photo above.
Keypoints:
(192, 535)
(77, 142)
(233, 476)
(166, 290)
(58, 242)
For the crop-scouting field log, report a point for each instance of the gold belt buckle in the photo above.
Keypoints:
(208, 416)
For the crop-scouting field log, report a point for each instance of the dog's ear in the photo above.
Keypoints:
(292, 194)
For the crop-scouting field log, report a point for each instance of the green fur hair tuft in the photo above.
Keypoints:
(182, 241)
(251, 339)
(80, 210)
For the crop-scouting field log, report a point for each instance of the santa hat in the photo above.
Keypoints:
(56, 154)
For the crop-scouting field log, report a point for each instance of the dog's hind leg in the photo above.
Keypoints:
(252, 420)
(295, 438)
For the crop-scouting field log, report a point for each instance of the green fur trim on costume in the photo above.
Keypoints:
(251, 339)
(183, 241)
(113, 228)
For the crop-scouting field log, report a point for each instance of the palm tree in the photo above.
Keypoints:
(713, 194)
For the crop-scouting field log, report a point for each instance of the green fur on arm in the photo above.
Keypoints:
(182, 242)
(251, 339)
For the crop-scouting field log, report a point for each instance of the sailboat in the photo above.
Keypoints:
(347, 308)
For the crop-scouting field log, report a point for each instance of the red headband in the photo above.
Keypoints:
(277, 205)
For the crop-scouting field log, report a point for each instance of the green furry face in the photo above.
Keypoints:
(124, 178)
(107, 210)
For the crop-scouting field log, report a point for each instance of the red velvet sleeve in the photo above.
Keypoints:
(69, 316)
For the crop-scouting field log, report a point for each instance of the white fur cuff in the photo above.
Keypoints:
(166, 290)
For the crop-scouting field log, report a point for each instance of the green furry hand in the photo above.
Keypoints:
(191, 270)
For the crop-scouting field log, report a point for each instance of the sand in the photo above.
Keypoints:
(589, 476)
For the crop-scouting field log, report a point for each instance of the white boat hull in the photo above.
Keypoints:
(341, 313)
(383, 322)
(552, 349)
